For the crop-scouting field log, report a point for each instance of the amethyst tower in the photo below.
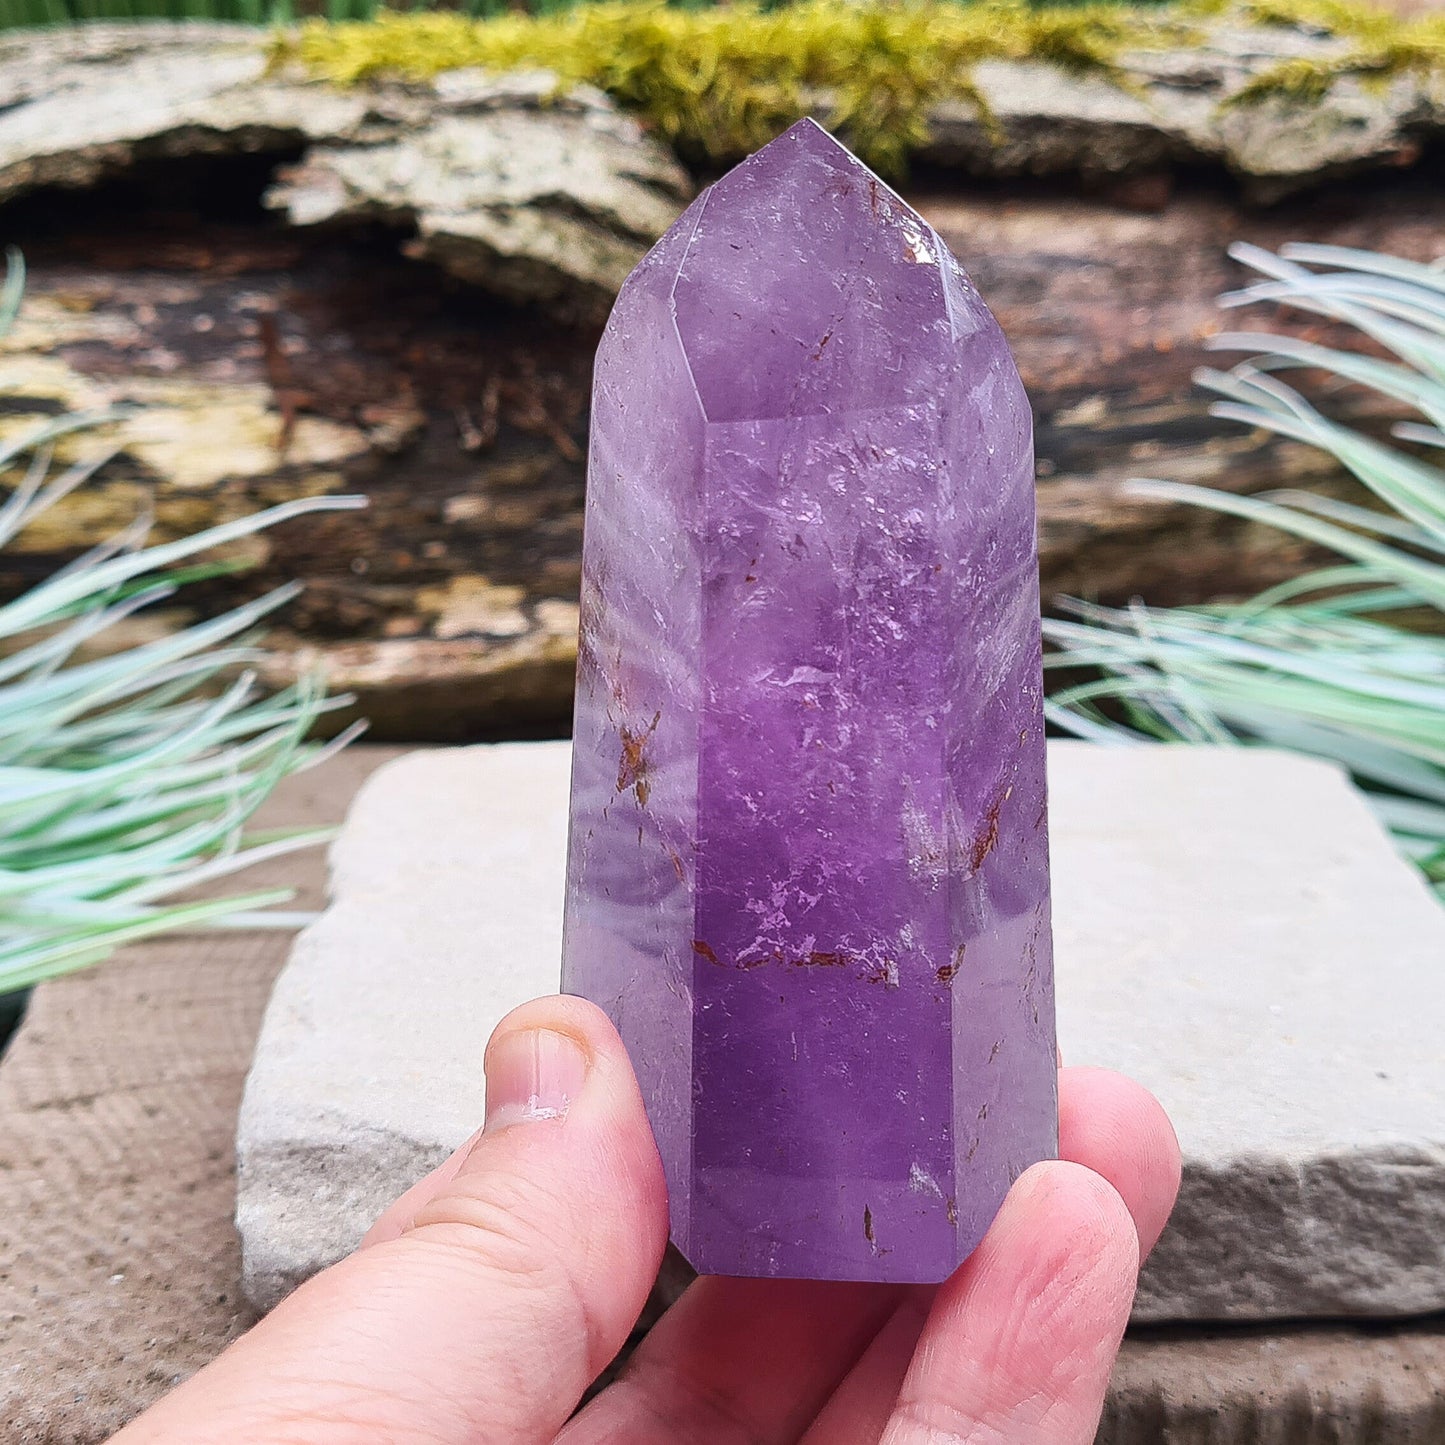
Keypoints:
(808, 868)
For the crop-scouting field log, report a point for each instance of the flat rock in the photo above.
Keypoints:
(1232, 928)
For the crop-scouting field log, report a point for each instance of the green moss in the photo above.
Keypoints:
(719, 82)
(1381, 47)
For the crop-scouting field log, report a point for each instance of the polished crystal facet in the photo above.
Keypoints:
(808, 868)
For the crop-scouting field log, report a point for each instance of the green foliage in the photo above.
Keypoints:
(128, 777)
(22, 13)
(1324, 664)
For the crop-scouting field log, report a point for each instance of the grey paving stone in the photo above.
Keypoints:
(1232, 928)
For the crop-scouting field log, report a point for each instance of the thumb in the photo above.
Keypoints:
(490, 1296)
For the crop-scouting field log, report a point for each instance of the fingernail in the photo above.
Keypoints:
(532, 1074)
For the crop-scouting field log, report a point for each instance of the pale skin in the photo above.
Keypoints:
(488, 1298)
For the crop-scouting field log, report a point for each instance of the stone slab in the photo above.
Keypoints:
(1233, 928)
(445, 914)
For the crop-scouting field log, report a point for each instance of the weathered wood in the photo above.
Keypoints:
(539, 196)
(1174, 111)
(454, 159)
(1109, 311)
(274, 362)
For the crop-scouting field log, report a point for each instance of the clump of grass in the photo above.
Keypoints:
(128, 778)
(1348, 661)
(20, 14)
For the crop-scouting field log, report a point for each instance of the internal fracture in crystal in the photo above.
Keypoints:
(808, 864)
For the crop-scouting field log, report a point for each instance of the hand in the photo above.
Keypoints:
(491, 1295)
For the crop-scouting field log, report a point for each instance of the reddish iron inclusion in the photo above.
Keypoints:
(808, 867)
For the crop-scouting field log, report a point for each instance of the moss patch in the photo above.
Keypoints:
(1382, 46)
(718, 82)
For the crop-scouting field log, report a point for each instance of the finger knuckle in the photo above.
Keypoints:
(509, 1230)
(508, 1222)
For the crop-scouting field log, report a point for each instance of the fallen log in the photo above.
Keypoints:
(271, 363)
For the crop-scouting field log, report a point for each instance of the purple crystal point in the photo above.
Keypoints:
(808, 869)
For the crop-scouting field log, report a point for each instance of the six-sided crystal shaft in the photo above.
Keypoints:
(808, 871)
